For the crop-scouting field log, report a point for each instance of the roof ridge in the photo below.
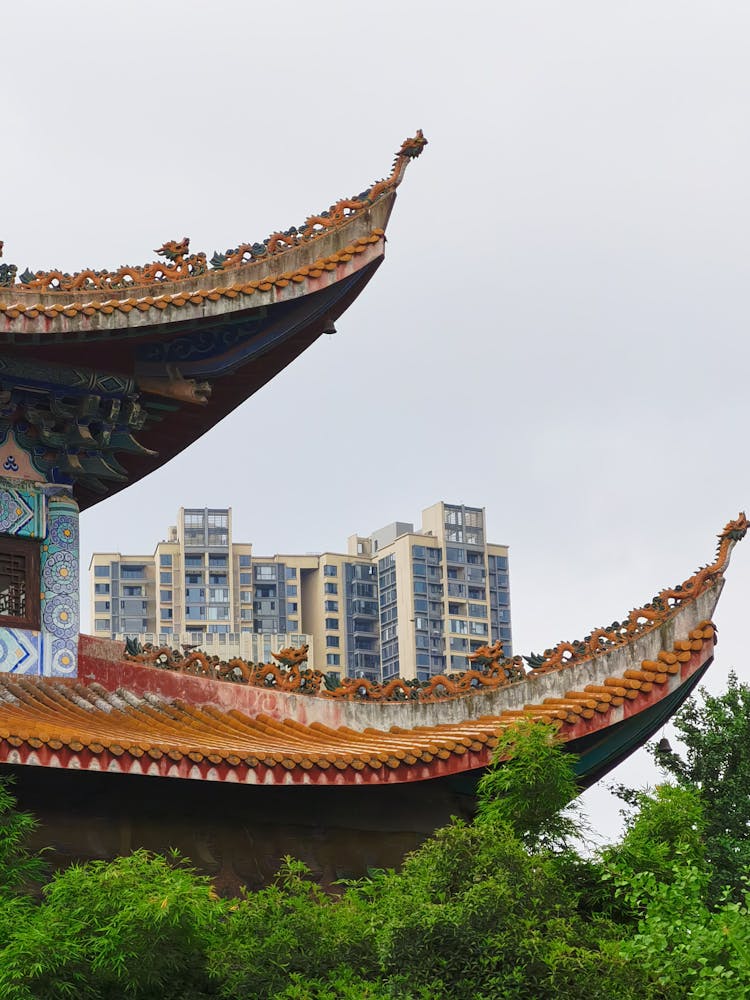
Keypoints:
(180, 265)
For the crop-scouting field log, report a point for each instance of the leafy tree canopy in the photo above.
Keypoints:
(715, 731)
(500, 908)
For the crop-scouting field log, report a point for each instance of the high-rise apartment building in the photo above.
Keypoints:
(401, 601)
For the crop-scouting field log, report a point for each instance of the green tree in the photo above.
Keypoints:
(293, 931)
(530, 786)
(500, 908)
(669, 823)
(688, 947)
(716, 734)
(19, 866)
(474, 914)
(138, 927)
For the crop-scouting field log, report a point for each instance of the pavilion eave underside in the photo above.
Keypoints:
(103, 385)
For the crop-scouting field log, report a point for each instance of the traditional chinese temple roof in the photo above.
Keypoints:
(607, 694)
(106, 375)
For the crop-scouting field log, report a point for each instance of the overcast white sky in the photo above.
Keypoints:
(559, 331)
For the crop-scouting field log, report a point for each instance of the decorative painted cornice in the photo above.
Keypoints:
(180, 265)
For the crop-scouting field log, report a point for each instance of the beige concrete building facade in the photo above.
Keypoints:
(399, 602)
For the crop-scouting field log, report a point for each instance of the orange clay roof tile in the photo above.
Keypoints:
(60, 714)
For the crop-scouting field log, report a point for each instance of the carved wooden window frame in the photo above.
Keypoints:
(27, 550)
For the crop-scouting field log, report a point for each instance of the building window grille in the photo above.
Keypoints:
(19, 583)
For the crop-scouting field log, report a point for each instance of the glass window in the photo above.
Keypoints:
(101, 571)
(331, 588)
(193, 562)
(420, 586)
(329, 570)
(265, 572)
(166, 614)
(291, 590)
(477, 611)
(246, 595)
(101, 606)
(455, 555)
(218, 528)
(291, 608)
(165, 596)
(132, 572)
(420, 604)
(290, 572)
(291, 624)
(102, 625)
(418, 551)
(165, 577)
(332, 640)
(101, 588)
(246, 579)
(332, 623)
(332, 605)
(165, 560)
(245, 562)
(333, 659)
(419, 569)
